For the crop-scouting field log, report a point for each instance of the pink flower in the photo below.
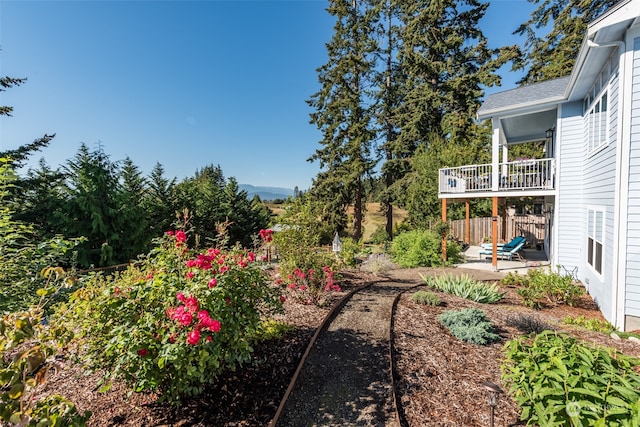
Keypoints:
(283, 298)
(149, 276)
(214, 325)
(209, 338)
(202, 315)
(172, 338)
(192, 304)
(169, 233)
(185, 319)
(292, 286)
(180, 297)
(190, 275)
(242, 263)
(213, 282)
(264, 258)
(142, 352)
(224, 269)
(251, 257)
(181, 236)
(193, 337)
(302, 288)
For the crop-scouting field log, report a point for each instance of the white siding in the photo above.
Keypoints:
(632, 294)
(598, 190)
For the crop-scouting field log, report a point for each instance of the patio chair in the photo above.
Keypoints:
(506, 253)
(507, 246)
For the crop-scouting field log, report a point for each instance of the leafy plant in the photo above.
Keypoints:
(596, 325)
(425, 298)
(527, 324)
(558, 380)
(308, 269)
(470, 325)
(28, 347)
(540, 287)
(422, 248)
(465, 287)
(349, 251)
(175, 320)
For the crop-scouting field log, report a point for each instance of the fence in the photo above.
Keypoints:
(532, 227)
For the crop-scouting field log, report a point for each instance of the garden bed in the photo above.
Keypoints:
(439, 376)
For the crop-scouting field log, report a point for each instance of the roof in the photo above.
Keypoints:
(536, 94)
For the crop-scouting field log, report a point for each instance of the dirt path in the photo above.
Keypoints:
(346, 379)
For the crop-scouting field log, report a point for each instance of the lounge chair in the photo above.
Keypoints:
(507, 246)
(506, 253)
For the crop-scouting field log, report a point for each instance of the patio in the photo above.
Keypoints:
(533, 258)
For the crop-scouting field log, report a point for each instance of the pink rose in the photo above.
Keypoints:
(193, 337)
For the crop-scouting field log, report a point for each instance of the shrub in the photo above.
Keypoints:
(425, 298)
(349, 251)
(422, 248)
(28, 347)
(540, 287)
(527, 324)
(379, 236)
(596, 325)
(377, 264)
(175, 320)
(309, 270)
(465, 287)
(470, 325)
(557, 380)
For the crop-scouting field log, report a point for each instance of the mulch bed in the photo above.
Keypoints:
(439, 376)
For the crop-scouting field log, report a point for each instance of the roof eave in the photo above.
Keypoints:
(520, 109)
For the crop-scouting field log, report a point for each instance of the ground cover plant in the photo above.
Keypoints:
(425, 297)
(597, 325)
(465, 287)
(174, 320)
(559, 380)
(470, 325)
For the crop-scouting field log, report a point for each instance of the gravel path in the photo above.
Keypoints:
(346, 379)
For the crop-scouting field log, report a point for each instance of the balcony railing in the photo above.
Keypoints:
(534, 174)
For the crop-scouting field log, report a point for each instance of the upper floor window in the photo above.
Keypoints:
(597, 122)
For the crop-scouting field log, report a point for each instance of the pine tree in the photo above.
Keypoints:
(160, 201)
(135, 234)
(343, 111)
(553, 55)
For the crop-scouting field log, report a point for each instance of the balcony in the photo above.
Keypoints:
(535, 176)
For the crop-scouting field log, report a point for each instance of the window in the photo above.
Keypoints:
(597, 122)
(595, 240)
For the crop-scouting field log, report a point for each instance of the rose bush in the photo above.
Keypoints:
(174, 320)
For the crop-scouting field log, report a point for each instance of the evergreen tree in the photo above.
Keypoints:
(553, 55)
(160, 201)
(92, 208)
(447, 64)
(135, 235)
(343, 112)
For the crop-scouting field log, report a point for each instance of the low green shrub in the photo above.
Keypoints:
(596, 325)
(422, 248)
(173, 321)
(425, 298)
(379, 236)
(465, 287)
(349, 251)
(540, 287)
(470, 325)
(527, 324)
(560, 381)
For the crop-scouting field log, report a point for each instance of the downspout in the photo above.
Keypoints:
(621, 196)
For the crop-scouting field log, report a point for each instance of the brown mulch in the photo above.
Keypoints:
(439, 376)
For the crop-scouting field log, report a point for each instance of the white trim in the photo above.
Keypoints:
(558, 174)
(625, 68)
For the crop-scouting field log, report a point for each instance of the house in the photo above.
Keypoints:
(589, 179)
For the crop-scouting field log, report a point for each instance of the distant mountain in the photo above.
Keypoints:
(266, 193)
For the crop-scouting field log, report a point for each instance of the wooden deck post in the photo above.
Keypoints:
(444, 234)
(467, 223)
(494, 233)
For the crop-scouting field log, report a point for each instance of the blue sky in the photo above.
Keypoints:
(182, 83)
